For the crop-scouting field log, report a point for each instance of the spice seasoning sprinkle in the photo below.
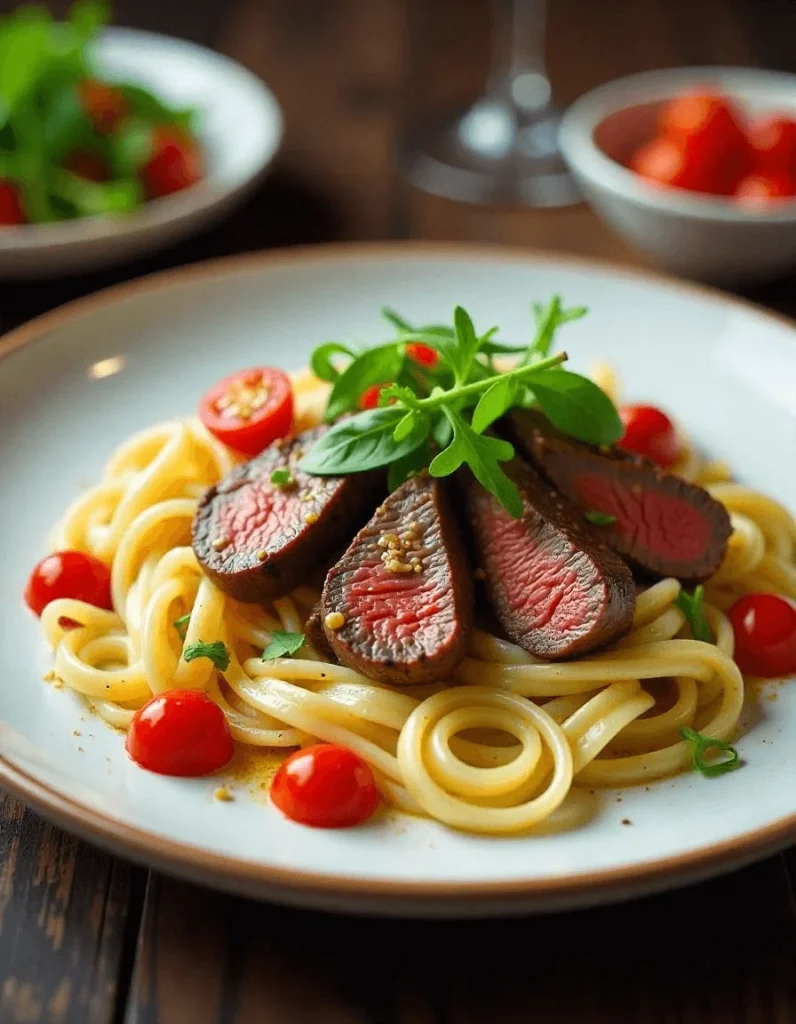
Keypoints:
(311, 518)
(220, 543)
(404, 553)
(334, 620)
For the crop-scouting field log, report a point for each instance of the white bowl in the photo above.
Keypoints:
(241, 133)
(704, 237)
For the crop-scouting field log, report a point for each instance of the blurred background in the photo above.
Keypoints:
(357, 79)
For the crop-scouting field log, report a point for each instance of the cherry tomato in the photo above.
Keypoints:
(369, 399)
(665, 161)
(773, 142)
(649, 432)
(88, 165)
(760, 188)
(765, 635)
(69, 574)
(249, 410)
(710, 129)
(175, 164)
(11, 212)
(104, 104)
(180, 732)
(325, 786)
(423, 354)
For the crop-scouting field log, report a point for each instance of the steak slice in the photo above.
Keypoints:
(257, 540)
(664, 526)
(555, 588)
(403, 590)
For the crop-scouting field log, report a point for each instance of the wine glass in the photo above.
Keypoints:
(504, 149)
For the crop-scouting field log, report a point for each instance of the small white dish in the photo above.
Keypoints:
(709, 238)
(241, 133)
(140, 353)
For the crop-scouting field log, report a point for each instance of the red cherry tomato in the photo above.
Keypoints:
(11, 212)
(104, 104)
(765, 635)
(69, 574)
(175, 164)
(180, 732)
(325, 786)
(249, 409)
(711, 130)
(423, 354)
(369, 399)
(773, 142)
(87, 165)
(665, 161)
(760, 188)
(649, 432)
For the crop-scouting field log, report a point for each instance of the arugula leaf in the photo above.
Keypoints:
(548, 319)
(129, 147)
(321, 360)
(216, 651)
(375, 366)
(150, 108)
(87, 17)
(402, 468)
(282, 645)
(411, 423)
(467, 342)
(600, 518)
(482, 454)
(359, 443)
(90, 198)
(494, 403)
(396, 320)
(442, 431)
(577, 406)
(181, 625)
(24, 52)
(692, 606)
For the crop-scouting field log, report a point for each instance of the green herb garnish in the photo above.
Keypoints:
(438, 417)
(282, 477)
(692, 606)
(216, 651)
(700, 745)
(181, 625)
(600, 518)
(283, 645)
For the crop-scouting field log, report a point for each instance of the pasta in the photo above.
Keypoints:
(509, 744)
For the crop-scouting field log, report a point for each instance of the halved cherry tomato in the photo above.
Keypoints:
(665, 161)
(180, 732)
(249, 409)
(710, 129)
(11, 212)
(649, 432)
(423, 354)
(773, 142)
(104, 104)
(175, 164)
(765, 635)
(88, 165)
(69, 574)
(760, 188)
(325, 786)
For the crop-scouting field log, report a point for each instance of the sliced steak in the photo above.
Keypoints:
(556, 589)
(664, 526)
(315, 633)
(402, 593)
(257, 540)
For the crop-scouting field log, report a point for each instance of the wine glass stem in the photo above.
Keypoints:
(519, 72)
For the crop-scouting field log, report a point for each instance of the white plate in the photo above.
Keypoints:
(726, 369)
(241, 133)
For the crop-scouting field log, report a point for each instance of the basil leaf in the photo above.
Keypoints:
(402, 468)
(216, 651)
(482, 454)
(360, 443)
(577, 406)
(494, 403)
(375, 366)
(321, 360)
(282, 645)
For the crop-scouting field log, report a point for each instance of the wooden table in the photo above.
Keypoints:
(86, 938)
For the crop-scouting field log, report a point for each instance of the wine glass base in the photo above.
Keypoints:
(489, 156)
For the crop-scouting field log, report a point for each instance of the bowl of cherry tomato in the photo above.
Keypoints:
(694, 167)
(115, 142)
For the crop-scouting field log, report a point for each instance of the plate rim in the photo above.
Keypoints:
(148, 846)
